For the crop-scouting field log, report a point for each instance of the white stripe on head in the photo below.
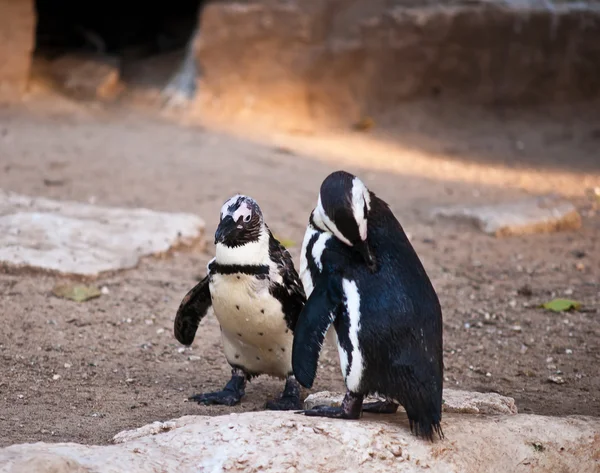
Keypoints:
(354, 377)
(229, 203)
(244, 209)
(325, 224)
(360, 199)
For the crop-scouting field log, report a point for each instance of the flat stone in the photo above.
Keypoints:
(88, 77)
(287, 442)
(456, 401)
(535, 215)
(81, 239)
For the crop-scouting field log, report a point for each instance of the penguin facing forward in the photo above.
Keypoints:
(362, 275)
(256, 295)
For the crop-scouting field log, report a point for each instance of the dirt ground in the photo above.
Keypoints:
(119, 364)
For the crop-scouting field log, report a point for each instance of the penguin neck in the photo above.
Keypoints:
(251, 253)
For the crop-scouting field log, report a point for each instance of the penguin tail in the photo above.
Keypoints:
(426, 427)
(420, 393)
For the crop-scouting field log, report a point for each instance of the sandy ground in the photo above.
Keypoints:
(119, 365)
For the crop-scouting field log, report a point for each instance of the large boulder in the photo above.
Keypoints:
(287, 442)
(339, 60)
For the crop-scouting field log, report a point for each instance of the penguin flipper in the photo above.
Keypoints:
(319, 313)
(192, 310)
(291, 292)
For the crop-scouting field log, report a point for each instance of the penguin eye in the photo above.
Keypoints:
(247, 218)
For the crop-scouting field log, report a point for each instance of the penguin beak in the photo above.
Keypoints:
(365, 251)
(226, 226)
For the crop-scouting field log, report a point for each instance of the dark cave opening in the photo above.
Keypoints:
(121, 28)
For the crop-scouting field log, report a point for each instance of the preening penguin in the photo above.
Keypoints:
(362, 275)
(256, 296)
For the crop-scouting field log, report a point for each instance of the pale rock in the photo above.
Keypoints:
(287, 442)
(535, 215)
(454, 400)
(74, 238)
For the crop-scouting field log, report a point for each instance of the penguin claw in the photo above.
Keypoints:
(222, 398)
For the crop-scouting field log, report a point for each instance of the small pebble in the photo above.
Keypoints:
(160, 331)
(67, 365)
(568, 292)
(180, 350)
(129, 380)
(104, 290)
(568, 351)
(194, 358)
(56, 377)
(525, 290)
(556, 379)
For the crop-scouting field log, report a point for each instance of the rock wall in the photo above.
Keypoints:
(343, 59)
(17, 41)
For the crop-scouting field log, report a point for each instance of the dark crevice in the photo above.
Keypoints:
(126, 28)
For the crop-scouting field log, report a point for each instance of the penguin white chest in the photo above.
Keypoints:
(253, 328)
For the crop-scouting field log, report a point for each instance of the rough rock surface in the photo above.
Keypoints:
(462, 402)
(536, 215)
(82, 239)
(17, 36)
(287, 442)
(88, 77)
(340, 60)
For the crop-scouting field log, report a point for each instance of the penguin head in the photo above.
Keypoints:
(343, 210)
(241, 222)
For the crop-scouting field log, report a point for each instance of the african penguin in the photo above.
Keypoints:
(362, 275)
(256, 295)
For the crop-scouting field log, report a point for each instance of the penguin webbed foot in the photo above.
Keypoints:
(232, 393)
(289, 399)
(330, 412)
(381, 407)
(221, 398)
(351, 408)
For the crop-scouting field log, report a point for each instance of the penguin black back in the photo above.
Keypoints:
(382, 304)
